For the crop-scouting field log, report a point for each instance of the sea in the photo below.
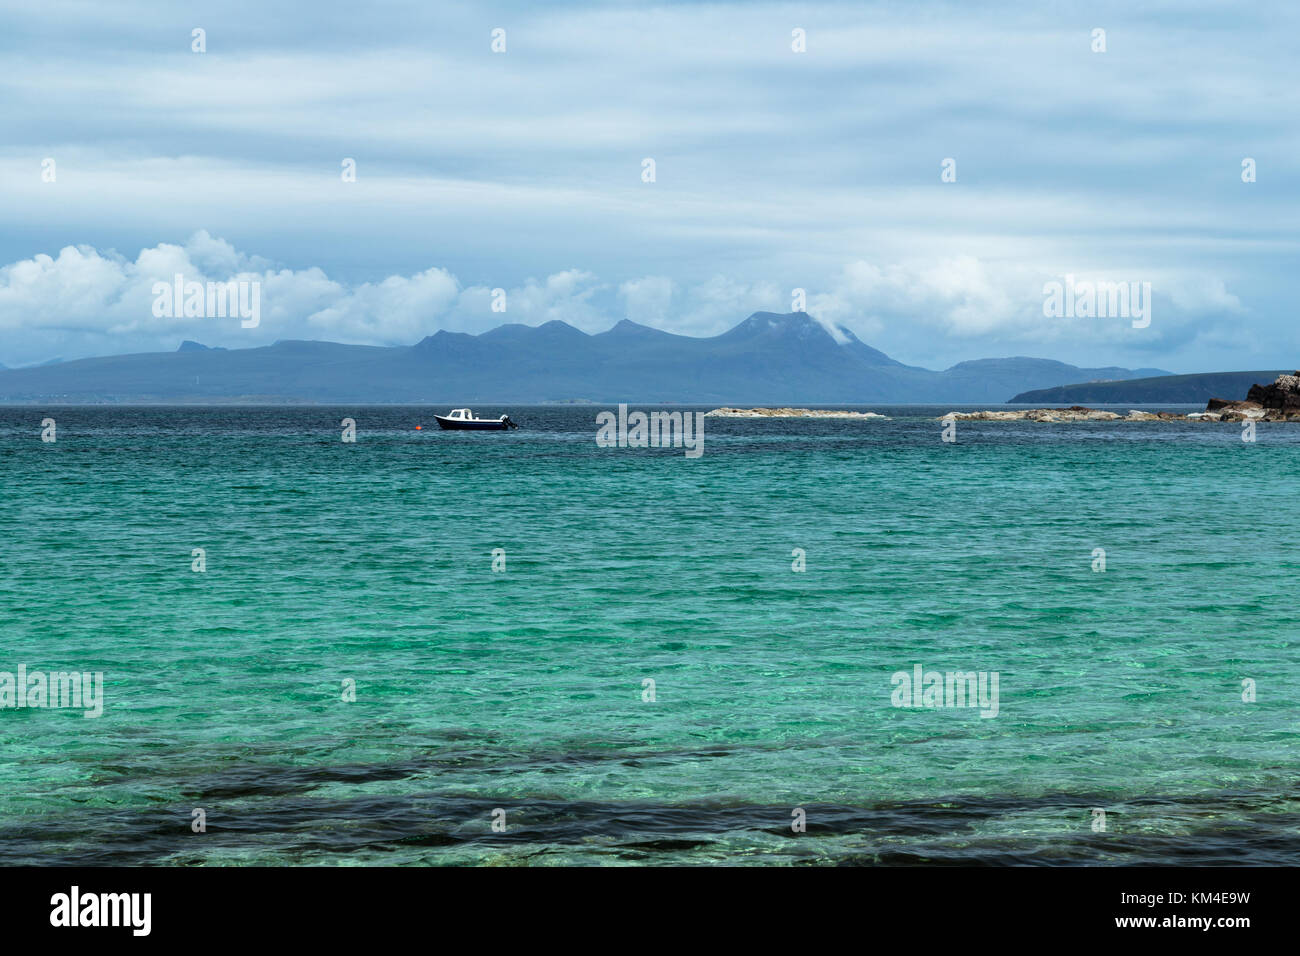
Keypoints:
(428, 647)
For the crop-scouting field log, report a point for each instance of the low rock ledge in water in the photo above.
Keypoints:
(728, 412)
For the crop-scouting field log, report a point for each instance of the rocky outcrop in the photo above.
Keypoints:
(789, 413)
(1219, 410)
(1282, 395)
(1279, 402)
(1075, 413)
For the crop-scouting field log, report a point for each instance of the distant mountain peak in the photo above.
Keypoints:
(557, 328)
(774, 320)
(513, 331)
(627, 325)
(627, 329)
(768, 358)
(791, 325)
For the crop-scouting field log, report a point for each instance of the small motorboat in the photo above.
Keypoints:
(463, 418)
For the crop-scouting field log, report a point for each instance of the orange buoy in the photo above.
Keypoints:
(418, 427)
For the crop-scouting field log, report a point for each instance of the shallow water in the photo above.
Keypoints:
(522, 690)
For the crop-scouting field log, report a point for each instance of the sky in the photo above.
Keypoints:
(126, 157)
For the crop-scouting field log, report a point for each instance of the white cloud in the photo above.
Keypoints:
(648, 300)
(966, 299)
(770, 168)
(397, 310)
(85, 301)
(716, 304)
(1204, 295)
(566, 296)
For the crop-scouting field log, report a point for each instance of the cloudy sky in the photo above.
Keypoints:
(774, 170)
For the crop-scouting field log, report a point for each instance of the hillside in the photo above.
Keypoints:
(767, 358)
(1161, 390)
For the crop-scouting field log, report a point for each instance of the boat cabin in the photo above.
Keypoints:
(461, 414)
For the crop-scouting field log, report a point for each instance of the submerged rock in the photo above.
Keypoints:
(1075, 413)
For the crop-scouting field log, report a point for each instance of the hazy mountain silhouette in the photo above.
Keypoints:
(768, 358)
(1195, 389)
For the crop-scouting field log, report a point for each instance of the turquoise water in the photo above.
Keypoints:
(522, 689)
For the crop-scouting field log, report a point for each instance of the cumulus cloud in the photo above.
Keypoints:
(84, 301)
(396, 310)
(964, 298)
(716, 304)
(769, 170)
(648, 300)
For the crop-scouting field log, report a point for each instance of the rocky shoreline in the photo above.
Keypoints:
(1278, 402)
(728, 412)
(1075, 413)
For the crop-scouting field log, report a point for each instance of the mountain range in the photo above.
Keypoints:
(767, 358)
